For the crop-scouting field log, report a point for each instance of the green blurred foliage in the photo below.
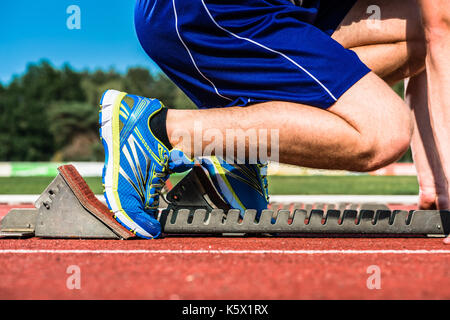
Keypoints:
(68, 119)
(52, 114)
(399, 88)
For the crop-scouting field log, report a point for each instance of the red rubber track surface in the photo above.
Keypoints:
(224, 276)
(215, 275)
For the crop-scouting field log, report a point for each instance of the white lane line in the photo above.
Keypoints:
(397, 199)
(255, 252)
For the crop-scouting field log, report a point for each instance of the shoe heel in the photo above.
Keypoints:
(108, 130)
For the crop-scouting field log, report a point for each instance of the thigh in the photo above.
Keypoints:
(399, 20)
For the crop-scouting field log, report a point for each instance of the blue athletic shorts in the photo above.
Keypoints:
(224, 53)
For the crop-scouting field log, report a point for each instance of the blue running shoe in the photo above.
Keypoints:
(136, 162)
(242, 186)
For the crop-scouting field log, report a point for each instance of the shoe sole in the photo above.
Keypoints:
(109, 133)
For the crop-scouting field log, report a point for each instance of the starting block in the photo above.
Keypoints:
(67, 208)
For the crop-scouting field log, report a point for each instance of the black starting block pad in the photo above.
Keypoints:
(68, 209)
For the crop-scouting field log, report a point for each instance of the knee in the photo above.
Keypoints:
(436, 23)
(379, 151)
(379, 155)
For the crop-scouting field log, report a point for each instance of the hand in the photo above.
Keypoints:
(429, 199)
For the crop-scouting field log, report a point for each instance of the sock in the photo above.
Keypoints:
(158, 127)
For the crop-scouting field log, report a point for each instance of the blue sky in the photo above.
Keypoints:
(32, 30)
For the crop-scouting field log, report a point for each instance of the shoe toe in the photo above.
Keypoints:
(148, 226)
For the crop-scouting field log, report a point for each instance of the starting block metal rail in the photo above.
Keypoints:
(68, 209)
(301, 221)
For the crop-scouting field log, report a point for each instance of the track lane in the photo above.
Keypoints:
(163, 275)
(225, 268)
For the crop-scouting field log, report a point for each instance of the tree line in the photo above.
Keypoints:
(51, 114)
